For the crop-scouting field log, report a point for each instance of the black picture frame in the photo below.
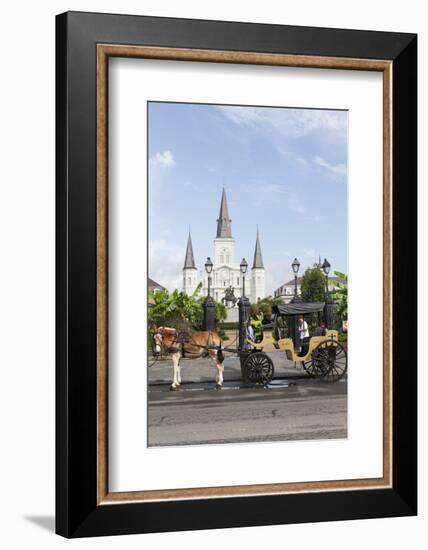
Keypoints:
(77, 511)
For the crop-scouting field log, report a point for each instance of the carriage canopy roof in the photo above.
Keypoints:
(298, 308)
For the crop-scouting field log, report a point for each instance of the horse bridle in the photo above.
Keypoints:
(173, 348)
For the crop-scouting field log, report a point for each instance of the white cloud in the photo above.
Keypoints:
(281, 126)
(160, 166)
(314, 119)
(334, 169)
(292, 122)
(166, 158)
(248, 116)
(166, 263)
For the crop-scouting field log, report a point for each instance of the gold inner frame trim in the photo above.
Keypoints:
(104, 51)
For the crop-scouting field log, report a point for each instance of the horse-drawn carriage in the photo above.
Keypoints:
(321, 355)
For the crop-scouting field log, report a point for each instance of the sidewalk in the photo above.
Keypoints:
(204, 370)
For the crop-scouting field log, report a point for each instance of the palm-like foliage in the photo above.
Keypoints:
(180, 306)
(340, 295)
(177, 305)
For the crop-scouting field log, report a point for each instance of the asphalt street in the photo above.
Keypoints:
(203, 370)
(289, 409)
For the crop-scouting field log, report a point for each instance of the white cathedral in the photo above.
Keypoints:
(226, 273)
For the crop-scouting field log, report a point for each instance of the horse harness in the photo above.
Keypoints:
(183, 337)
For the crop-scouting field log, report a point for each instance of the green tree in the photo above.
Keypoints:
(220, 311)
(177, 305)
(340, 296)
(312, 288)
(264, 306)
(180, 306)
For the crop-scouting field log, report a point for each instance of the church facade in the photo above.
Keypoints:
(226, 273)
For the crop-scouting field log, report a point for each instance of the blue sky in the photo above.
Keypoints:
(283, 169)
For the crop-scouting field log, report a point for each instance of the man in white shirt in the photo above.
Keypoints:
(302, 327)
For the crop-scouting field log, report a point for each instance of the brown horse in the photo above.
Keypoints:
(197, 344)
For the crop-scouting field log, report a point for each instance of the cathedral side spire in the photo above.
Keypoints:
(189, 260)
(224, 223)
(258, 260)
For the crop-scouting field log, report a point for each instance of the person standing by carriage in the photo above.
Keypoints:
(302, 330)
(302, 327)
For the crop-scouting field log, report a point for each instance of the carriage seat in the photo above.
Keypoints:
(259, 332)
(319, 331)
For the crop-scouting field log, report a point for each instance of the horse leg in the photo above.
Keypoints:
(175, 362)
(179, 371)
(219, 363)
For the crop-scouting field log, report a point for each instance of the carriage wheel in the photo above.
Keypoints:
(242, 360)
(309, 367)
(258, 368)
(329, 361)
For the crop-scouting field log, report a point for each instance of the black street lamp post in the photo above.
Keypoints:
(329, 304)
(296, 266)
(243, 308)
(209, 304)
(296, 298)
(326, 268)
(243, 267)
(209, 269)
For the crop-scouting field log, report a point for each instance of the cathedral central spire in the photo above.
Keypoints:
(224, 223)
(225, 274)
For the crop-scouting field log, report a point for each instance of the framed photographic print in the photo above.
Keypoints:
(236, 274)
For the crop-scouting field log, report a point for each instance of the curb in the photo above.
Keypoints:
(234, 380)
